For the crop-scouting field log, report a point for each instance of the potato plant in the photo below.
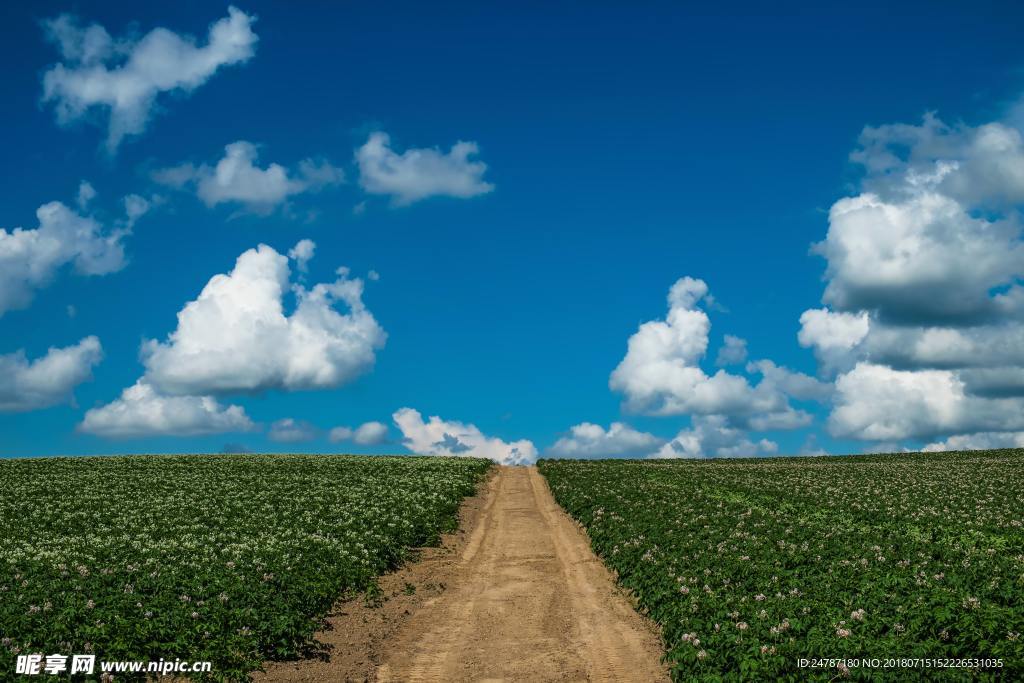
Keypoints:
(231, 559)
(750, 565)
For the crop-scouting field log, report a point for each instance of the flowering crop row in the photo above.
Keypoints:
(230, 559)
(751, 565)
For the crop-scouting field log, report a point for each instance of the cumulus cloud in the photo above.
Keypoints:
(124, 76)
(733, 351)
(924, 323)
(290, 430)
(712, 437)
(237, 178)
(796, 385)
(442, 437)
(832, 335)
(141, 411)
(416, 174)
(923, 259)
(876, 402)
(301, 253)
(370, 433)
(338, 434)
(86, 193)
(588, 440)
(237, 336)
(934, 238)
(978, 442)
(661, 373)
(366, 434)
(981, 165)
(49, 380)
(31, 258)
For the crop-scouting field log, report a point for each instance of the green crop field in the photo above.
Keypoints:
(749, 566)
(229, 559)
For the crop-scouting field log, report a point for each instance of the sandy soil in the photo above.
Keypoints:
(517, 596)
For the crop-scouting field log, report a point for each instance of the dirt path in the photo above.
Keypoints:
(515, 595)
(533, 603)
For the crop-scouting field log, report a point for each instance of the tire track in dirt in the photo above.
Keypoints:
(528, 601)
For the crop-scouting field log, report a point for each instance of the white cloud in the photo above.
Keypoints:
(661, 373)
(141, 411)
(301, 253)
(980, 441)
(926, 320)
(927, 243)
(366, 434)
(711, 436)
(988, 357)
(237, 337)
(876, 402)
(588, 440)
(981, 165)
(733, 351)
(370, 433)
(832, 335)
(236, 178)
(290, 430)
(86, 193)
(135, 207)
(441, 437)
(30, 258)
(923, 259)
(338, 434)
(125, 76)
(416, 174)
(793, 384)
(885, 447)
(47, 381)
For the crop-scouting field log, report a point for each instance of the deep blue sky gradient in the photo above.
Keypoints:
(630, 144)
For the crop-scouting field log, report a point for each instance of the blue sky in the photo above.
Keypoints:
(624, 149)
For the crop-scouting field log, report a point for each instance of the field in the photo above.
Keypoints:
(747, 566)
(230, 559)
(750, 565)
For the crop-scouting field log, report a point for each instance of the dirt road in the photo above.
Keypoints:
(531, 603)
(515, 595)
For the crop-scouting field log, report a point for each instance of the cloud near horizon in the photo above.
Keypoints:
(923, 326)
(442, 437)
(290, 430)
(711, 436)
(142, 411)
(367, 434)
(589, 440)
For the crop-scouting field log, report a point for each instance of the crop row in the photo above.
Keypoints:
(230, 559)
(751, 565)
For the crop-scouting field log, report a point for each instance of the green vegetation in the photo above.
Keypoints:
(230, 559)
(749, 565)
